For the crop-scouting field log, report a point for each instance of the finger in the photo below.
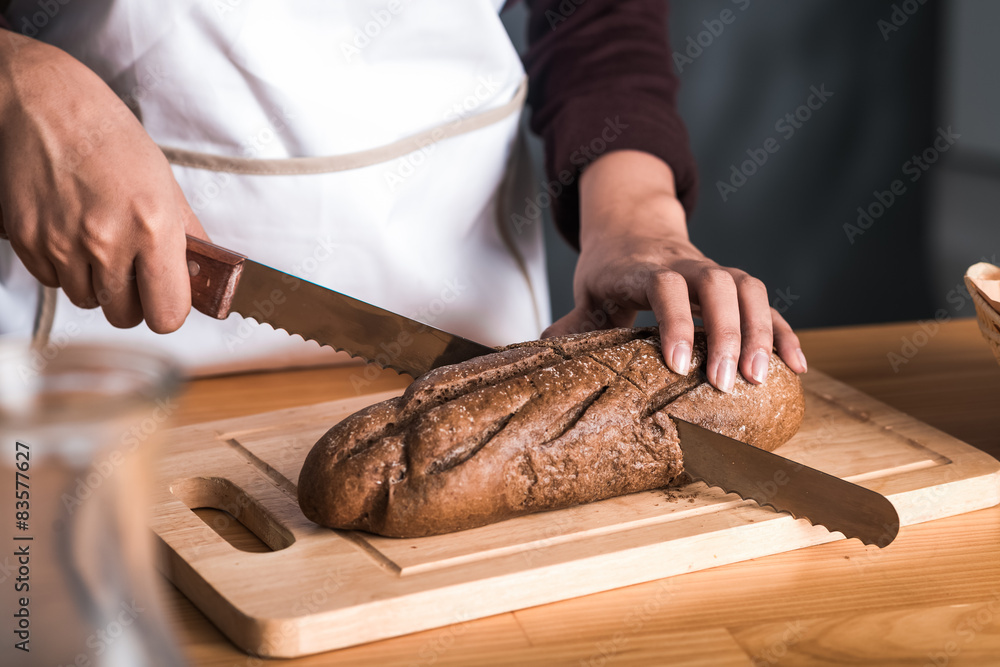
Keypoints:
(33, 260)
(118, 296)
(720, 314)
(622, 317)
(41, 269)
(755, 327)
(163, 284)
(37, 265)
(76, 282)
(192, 225)
(787, 344)
(671, 304)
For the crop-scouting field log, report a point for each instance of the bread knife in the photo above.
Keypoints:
(787, 486)
(225, 282)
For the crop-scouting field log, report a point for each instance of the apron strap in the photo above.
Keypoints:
(333, 163)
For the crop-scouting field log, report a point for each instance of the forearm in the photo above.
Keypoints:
(26, 66)
(630, 192)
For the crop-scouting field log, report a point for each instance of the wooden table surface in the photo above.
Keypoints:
(931, 599)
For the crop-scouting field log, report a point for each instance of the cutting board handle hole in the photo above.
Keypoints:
(233, 514)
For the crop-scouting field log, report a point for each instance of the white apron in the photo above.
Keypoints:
(360, 145)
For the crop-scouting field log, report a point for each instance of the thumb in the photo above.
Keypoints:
(575, 321)
(584, 318)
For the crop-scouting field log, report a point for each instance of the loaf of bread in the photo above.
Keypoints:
(536, 426)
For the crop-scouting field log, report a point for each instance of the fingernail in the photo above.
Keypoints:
(726, 375)
(802, 359)
(758, 367)
(680, 358)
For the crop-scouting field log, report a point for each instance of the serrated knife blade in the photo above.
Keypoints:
(224, 282)
(787, 486)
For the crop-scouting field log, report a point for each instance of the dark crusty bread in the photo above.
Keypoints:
(537, 426)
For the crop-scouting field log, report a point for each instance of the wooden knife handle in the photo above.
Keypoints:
(215, 273)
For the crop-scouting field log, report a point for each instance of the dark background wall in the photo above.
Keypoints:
(898, 77)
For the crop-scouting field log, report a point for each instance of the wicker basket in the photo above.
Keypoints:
(989, 318)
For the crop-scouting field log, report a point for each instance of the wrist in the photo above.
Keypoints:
(31, 72)
(630, 193)
(8, 51)
(17, 54)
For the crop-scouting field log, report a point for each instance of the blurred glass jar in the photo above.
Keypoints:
(79, 427)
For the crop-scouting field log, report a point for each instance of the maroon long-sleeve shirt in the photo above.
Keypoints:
(600, 80)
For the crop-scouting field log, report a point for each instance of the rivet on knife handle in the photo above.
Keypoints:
(215, 273)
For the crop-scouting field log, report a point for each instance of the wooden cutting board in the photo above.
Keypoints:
(321, 589)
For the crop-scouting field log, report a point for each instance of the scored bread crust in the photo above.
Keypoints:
(536, 426)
